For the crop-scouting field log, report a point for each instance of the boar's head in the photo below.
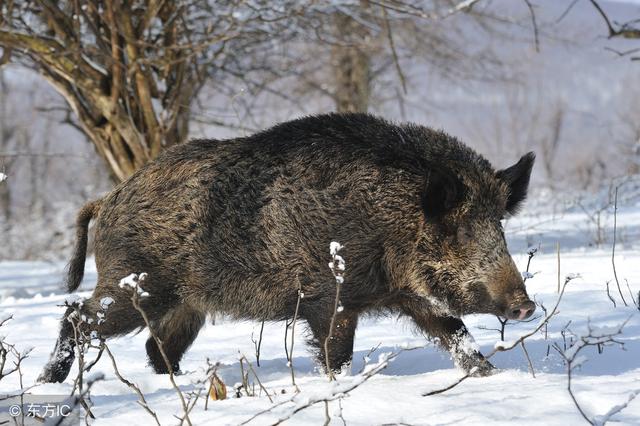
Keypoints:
(461, 254)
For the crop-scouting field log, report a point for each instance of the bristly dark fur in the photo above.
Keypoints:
(236, 226)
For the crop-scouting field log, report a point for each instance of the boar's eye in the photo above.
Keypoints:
(517, 178)
(443, 191)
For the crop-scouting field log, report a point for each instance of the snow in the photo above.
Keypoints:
(334, 248)
(133, 281)
(526, 275)
(408, 365)
(105, 302)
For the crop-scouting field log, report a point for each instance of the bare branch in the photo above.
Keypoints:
(595, 337)
(625, 30)
(392, 45)
(141, 399)
(613, 248)
(532, 13)
(137, 292)
(337, 267)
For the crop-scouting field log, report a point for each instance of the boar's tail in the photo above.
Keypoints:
(75, 269)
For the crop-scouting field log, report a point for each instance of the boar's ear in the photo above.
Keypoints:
(517, 178)
(443, 190)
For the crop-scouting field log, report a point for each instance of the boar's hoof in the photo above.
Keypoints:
(53, 374)
(483, 369)
(161, 368)
(477, 365)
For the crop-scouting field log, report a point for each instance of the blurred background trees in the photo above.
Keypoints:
(134, 77)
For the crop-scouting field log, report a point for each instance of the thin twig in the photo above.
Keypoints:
(142, 401)
(633, 299)
(535, 25)
(394, 53)
(566, 12)
(524, 348)
(609, 295)
(330, 335)
(293, 331)
(558, 254)
(613, 248)
(257, 344)
(337, 267)
(135, 299)
(612, 32)
(327, 417)
(257, 378)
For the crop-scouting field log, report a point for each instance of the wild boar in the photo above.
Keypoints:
(237, 226)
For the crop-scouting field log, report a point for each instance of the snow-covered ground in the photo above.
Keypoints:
(30, 292)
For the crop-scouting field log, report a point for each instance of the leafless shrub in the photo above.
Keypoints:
(336, 390)
(248, 388)
(598, 337)
(258, 343)
(82, 342)
(9, 352)
(597, 218)
(74, 400)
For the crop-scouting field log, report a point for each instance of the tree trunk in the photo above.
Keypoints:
(6, 134)
(351, 65)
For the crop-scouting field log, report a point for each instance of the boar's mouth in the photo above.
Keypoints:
(513, 307)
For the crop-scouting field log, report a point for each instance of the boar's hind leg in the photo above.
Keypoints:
(453, 336)
(119, 319)
(177, 330)
(57, 369)
(341, 342)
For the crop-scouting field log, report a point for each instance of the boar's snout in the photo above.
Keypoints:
(521, 311)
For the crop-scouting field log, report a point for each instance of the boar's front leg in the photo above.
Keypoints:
(176, 330)
(452, 335)
(341, 342)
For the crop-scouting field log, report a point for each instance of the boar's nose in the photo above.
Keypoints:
(522, 311)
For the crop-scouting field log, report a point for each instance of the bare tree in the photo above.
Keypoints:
(129, 70)
(341, 55)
